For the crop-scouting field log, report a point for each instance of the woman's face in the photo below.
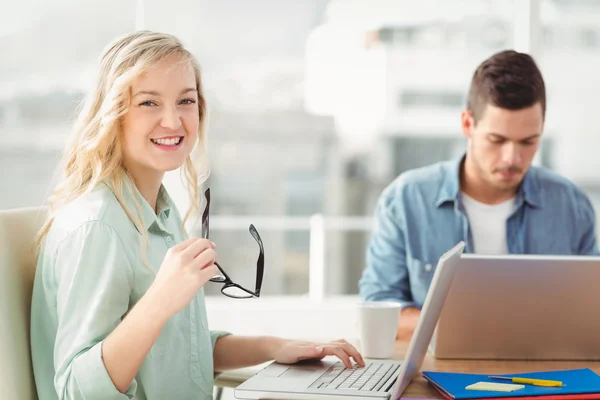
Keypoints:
(161, 126)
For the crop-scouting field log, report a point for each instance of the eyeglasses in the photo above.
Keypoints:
(230, 288)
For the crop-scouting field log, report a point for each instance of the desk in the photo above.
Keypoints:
(420, 388)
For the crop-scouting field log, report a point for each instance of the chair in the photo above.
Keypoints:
(18, 229)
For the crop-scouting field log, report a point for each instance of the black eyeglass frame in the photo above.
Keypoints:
(225, 279)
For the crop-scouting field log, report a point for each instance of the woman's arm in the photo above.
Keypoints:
(124, 350)
(100, 343)
(233, 352)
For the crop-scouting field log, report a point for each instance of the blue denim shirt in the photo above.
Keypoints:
(420, 216)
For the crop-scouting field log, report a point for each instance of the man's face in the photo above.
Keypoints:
(503, 142)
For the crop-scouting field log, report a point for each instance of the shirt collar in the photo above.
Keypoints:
(450, 187)
(530, 189)
(164, 203)
(528, 192)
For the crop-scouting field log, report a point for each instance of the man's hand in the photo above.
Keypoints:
(407, 323)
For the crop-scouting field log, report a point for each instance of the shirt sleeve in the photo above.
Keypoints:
(386, 275)
(94, 280)
(214, 335)
(588, 244)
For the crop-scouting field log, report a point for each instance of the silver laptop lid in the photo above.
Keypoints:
(545, 305)
(432, 308)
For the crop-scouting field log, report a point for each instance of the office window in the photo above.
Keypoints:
(570, 69)
(397, 36)
(548, 36)
(421, 36)
(590, 38)
(495, 34)
(49, 52)
(417, 98)
(277, 161)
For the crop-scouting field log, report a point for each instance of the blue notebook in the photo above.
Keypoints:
(577, 381)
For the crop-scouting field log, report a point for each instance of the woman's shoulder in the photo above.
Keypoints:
(97, 207)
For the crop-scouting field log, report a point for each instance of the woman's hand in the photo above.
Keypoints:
(184, 270)
(290, 352)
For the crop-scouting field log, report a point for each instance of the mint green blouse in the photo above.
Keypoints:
(89, 274)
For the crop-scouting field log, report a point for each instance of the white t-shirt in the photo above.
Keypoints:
(488, 224)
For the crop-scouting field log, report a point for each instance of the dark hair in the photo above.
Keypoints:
(509, 80)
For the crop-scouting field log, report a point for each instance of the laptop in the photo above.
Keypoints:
(521, 307)
(379, 379)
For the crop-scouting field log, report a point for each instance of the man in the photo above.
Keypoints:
(492, 198)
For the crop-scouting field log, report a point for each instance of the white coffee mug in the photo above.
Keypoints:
(377, 326)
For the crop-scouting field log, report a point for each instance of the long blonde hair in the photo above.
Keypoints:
(94, 152)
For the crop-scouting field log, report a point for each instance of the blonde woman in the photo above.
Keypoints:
(118, 304)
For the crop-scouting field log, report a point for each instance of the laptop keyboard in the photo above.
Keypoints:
(371, 378)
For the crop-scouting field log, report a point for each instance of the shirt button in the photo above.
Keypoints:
(428, 267)
(169, 238)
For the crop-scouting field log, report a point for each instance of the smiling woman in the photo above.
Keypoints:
(118, 298)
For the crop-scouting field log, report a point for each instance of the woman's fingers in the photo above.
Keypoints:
(204, 259)
(183, 245)
(207, 273)
(334, 350)
(352, 351)
(195, 249)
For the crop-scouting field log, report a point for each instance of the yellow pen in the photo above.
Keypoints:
(530, 381)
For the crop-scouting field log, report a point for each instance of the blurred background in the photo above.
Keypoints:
(316, 106)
